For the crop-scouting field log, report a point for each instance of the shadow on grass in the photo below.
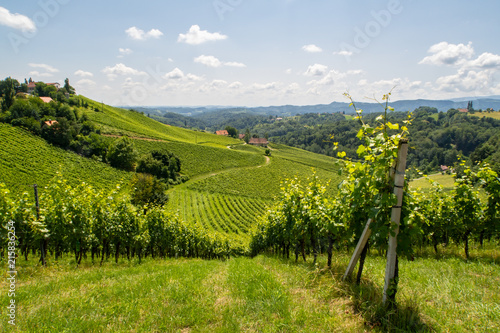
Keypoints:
(489, 253)
(366, 299)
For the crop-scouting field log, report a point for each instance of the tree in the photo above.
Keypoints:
(147, 190)
(60, 133)
(470, 106)
(122, 154)
(68, 87)
(233, 132)
(161, 165)
(8, 92)
(247, 136)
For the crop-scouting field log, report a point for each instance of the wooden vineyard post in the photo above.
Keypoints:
(390, 286)
(359, 248)
(42, 248)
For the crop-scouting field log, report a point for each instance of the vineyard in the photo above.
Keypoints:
(126, 122)
(293, 204)
(227, 214)
(27, 159)
(264, 182)
(213, 159)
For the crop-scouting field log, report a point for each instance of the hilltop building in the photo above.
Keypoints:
(222, 132)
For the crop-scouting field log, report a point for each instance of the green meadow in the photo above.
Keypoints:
(443, 293)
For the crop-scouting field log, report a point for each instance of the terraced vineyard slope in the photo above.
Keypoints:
(230, 183)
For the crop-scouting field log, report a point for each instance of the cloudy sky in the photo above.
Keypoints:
(254, 52)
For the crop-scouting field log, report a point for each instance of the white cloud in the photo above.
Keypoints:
(209, 61)
(120, 69)
(196, 36)
(175, 74)
(344, 53)
(192, 77)
(354, 72)
(234, 64)
(486, 60)
(37, 73)
(212, 61)
(264, 86)
(316, 70)
(218, 83)
(448, 54)
(292, 88)
(139, 34)
(85, 82)
(124, 52)
(16, 21)
(83, 73)
(288, 71)
(235, 85)
(311, 48)
(46, 67)
(466, 81)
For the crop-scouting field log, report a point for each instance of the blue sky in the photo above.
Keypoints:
(254, 52)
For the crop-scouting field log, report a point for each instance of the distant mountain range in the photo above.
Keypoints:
(291, 110)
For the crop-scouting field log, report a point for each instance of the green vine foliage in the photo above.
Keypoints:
(367, 190)
(301, 221)
(304, 219)
(80, 220)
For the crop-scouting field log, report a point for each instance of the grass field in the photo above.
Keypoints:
(442, 293)
(447, 181)
(495, 114)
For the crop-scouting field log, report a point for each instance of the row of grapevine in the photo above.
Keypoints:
(303, 216)
(227, 214)
(262, 183)
(213, 159)
(81, 221)
(303, 219)
(28, 159)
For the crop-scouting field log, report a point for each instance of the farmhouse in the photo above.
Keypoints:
(463, 110)
(223, 132)
(50, 122)
(259, 142)
(55, 84)
(46, 99)
(31, 87)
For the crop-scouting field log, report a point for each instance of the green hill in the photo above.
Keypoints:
(230, 184)
(26, 159)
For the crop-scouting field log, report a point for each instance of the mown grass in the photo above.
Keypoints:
(441, 293)
(445, 180)
(494, 114)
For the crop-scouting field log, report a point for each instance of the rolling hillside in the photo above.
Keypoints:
(230, 184)
(26, 159)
